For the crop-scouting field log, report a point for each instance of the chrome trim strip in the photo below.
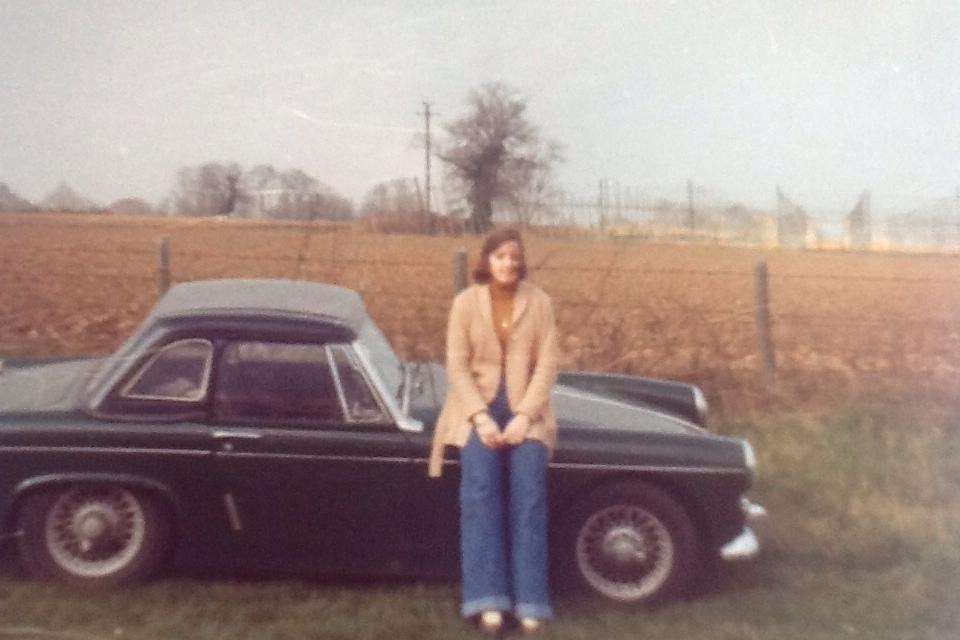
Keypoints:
(309, 456)
(107, 450)
(353, 357)
(752, 510)
(554, 465)
(335, 373)
(700, 403)
(618, 467)
(749, 457)
(743, 547)
(232, 514)
(643, 467)
(305, 456)
(407, 384)
(224, 434)
(405, 423)
(368, 371)
(204, 385)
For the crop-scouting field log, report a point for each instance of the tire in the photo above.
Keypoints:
(630, 543)
(92, 536)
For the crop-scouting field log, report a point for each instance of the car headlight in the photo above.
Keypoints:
(749, 457)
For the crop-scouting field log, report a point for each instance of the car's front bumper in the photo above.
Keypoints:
(746, 545)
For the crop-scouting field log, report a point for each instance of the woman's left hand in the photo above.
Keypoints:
(516, 430)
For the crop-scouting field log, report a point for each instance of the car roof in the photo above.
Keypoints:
(263, 296)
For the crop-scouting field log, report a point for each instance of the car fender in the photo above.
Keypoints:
(38, 483)
(674, 486)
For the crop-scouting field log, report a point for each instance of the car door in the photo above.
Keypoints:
(315, 469)
(433, 525)
(155, 430)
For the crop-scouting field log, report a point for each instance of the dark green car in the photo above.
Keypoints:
(269, 424)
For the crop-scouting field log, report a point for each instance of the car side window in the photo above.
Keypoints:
(272, 381)
(177, 371)
(359, 400)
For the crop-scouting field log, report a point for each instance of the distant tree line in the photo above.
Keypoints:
(496, 162)
(215, 189)
(62, 198)
(211, 189)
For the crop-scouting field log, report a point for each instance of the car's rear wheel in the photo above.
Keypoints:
(92, 535)
(631, 543)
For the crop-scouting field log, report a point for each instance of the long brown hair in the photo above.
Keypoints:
(481, 273)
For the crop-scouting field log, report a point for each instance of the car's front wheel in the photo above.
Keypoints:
(92, 536)
(632, 543)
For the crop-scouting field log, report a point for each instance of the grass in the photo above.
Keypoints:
(863, 541)
(772, 598)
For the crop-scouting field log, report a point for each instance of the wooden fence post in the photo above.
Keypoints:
(763, 323)
(163, 267)
(460, 270)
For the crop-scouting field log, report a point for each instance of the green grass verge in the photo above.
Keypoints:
(765, 599)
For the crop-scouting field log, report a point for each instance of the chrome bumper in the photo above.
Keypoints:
(746, 545)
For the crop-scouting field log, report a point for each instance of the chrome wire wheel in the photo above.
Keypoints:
(625, 552)
(94, 532)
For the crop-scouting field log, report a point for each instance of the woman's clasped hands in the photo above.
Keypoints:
(513, 434)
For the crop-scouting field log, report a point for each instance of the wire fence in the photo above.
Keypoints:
(12, 267)
(750, 313)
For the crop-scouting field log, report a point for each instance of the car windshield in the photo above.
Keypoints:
(384, 360)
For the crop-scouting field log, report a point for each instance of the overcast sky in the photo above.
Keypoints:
(824, 99)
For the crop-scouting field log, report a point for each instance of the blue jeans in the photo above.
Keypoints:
(503, 524)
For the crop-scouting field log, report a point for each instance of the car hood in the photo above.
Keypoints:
(574, 408)
(41, 387)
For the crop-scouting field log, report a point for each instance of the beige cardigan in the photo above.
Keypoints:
(474, 363)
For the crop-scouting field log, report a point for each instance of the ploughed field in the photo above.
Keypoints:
(845, 325)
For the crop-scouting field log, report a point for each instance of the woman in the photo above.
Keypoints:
(502, 354)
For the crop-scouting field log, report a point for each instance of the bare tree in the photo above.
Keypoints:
(64, 198)
(306, 198)
(215, 189)
(497, 155)
(11, 201)
(531, 192)
(394, 197)
(207, 190)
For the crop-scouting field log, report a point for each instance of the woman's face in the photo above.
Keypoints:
(505, 262)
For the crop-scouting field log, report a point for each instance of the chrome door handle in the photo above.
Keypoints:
(229, 434)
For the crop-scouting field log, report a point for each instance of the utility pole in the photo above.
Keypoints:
(601, 205)
(426, 158)
(619, 203)
(691, 220)
(956, 206)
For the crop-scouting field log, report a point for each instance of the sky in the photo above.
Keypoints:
(824, 99)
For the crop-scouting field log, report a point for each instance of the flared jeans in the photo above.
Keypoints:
(503, 524)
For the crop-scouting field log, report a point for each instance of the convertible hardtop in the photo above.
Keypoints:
(293, 297)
